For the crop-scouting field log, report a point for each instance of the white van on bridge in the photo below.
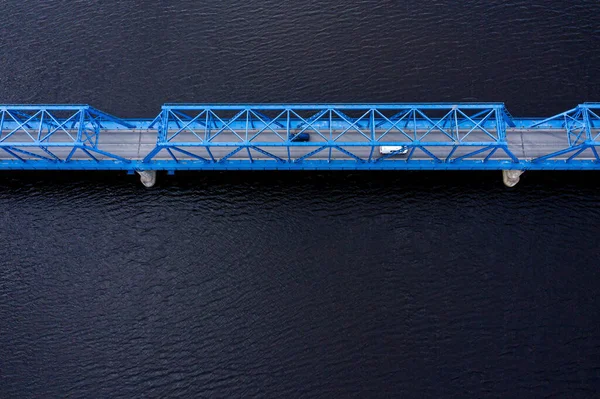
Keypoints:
(399, 150)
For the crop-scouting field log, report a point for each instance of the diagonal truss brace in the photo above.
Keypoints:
(582, 130)
(24, 128)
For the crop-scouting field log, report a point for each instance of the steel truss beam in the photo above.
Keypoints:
(44, 135)
(582, 129)
(440, 133)
(273, 136)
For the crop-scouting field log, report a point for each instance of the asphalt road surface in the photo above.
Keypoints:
(525, 144)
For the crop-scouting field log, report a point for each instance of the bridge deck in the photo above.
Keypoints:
(136, 144)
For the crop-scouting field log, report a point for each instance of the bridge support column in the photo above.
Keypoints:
(511, 177)
(147, 177)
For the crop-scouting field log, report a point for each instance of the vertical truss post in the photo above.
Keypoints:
(500, 126)
(287, 134)
(587, 124)
(81, 123)
(372, 132)
(163, 127)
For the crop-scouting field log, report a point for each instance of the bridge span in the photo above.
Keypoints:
(426, 136)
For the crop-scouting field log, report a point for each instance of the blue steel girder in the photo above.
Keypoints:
(581, 126)
(463, 130)
(46, 134)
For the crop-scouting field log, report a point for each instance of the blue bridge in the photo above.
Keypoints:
(398, 136)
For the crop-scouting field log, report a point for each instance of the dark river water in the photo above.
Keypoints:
(293, 284)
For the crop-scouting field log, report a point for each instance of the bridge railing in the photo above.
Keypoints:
(581, 126)
(319, 134)
(43, 135)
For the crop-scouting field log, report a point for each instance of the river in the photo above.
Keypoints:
(299, 284)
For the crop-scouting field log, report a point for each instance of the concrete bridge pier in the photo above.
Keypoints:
(147, 177)
(511, 177)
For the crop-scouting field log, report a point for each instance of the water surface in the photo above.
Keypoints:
(293, 284)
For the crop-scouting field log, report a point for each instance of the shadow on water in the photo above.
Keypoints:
(196, 180)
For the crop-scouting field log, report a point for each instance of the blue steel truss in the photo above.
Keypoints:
(581, 126)
(43, 136)
(435, 136)
(457, 135)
